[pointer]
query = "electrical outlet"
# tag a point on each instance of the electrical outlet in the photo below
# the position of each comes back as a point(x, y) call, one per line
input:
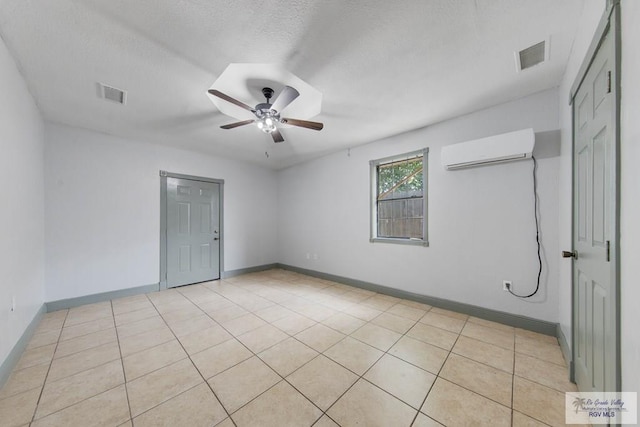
point(506, 285)
point(308, 255)
point(315, 256)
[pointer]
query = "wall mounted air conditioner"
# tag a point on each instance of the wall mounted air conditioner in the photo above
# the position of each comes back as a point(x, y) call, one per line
point(502, 148)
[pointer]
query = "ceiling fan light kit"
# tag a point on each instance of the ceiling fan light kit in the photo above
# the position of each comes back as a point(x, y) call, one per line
point(267, 114)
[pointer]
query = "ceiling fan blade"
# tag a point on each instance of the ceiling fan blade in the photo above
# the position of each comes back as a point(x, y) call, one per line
point(230, 99)
point(277, 136)
point(303, 123)
point(285, 98)
point(236, 124)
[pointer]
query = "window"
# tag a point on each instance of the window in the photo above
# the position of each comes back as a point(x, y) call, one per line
point(399, 199)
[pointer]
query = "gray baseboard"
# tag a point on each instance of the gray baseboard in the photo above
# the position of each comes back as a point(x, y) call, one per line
point(14, 355)
point(566, 352)
point(103, 296)
point(240, 271)
point(523, 322)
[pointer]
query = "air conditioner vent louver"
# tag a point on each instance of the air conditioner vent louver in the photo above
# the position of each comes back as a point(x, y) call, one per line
point(532, 55)
point(112, 94)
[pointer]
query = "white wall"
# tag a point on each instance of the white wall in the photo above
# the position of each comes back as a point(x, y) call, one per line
point(630, 197)
point(591, 13)
point(481, 225)
point(22, 212)
point(103, 217)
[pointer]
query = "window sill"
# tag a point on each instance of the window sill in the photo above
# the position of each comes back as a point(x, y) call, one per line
point(410, 242)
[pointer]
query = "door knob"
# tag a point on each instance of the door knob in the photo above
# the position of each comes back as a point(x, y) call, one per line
point(568, 254)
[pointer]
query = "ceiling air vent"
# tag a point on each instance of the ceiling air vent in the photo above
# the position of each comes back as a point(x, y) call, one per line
point(533, 55)
point(112, 94)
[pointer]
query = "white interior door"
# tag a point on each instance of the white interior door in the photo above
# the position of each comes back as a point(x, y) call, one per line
point(594, 288)
point(193, 231)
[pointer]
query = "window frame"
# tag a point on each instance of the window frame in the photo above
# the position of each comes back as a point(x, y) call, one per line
point(373, 205)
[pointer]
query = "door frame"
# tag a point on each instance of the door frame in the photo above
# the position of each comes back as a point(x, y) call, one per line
point(609, 24)
point(163, 219)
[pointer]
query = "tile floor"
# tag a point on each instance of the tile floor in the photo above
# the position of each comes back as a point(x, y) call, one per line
point(277, 348)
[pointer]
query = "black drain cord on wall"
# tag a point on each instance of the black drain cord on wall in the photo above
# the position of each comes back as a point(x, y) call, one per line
point(535, 213)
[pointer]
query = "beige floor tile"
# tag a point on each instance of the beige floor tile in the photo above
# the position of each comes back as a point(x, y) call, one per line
point(262, 338)
point(216, 359)
point(343, 323)
point(322, 381)
point(490, 324)
point(226, 423)
point(318, 312)
point(401, 379)
point(52, 321)
point(88, 313)
point(280, 406)
point(533, 337)
point(293, 323)
point(421, 354)
point(23, 380)
point(539, 402)
point(243, 324)
point(204, 339)
point(44, 338)
point(545, 373)
point(287, 356)
point(521, 420)
point(85, 342)
point(273, 313)
point(59, 394)
point(195, 324)
point(226, 314)
point(176, 304)
point(216, 305)
point(489, 335)
point(380, 302)
point(325, 421)
point(135, 328)
point(407, 311)
point(482, 379)
point(36, 356)
point(449, 313)
point(423, 421)
point(366, 405)
point(149, 360)
point(197, 407)
point(489, 354)
point(453, 405)
point(239, 385)
point(18, 409)
point(548, 352)
point(447, 323)
point(134, 316)
point(135, 343)
point(362, 312)
point(161, 385)
point(354, 355)
point(83, 360)
point(415, 304)
point(108, 408)
point(377, 336)
point(433, 335)
point(393, 322)
point(319, 337)
point(134, 303)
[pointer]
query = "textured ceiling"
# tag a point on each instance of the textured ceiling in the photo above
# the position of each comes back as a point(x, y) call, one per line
point(382, 67)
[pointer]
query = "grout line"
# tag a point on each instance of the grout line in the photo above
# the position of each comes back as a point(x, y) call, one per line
point(44, 383)
point(124, 373)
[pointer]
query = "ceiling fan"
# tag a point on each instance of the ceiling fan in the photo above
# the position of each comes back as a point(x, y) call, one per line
point(267, 114)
